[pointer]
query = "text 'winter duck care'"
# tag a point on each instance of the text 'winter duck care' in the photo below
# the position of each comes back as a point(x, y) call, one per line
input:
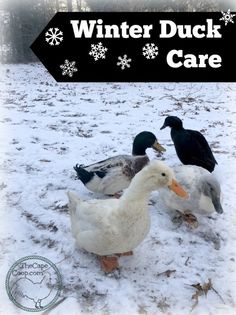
point(139, 47)
point(168, 29)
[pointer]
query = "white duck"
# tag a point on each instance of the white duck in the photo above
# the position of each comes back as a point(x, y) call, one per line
point(204, 193)
point(114, 174)
point(117, 226)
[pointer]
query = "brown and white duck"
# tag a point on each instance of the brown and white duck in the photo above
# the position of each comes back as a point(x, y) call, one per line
point(114, 174)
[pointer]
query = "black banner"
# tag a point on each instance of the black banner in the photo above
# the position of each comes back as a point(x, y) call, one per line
point(139, 47)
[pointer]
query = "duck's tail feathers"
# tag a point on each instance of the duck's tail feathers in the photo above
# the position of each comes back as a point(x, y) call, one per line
point(83, 174)
point(73, 200)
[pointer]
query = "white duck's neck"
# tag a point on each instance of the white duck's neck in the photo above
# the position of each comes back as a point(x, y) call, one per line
point(137, 191)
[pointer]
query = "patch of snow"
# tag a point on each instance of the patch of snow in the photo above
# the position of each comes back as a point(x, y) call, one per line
point(47, 127)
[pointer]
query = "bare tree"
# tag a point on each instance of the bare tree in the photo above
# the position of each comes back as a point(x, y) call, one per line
point(79, 5)
point(160, 5)
point(57, 6)
point(69, 5)
point(26, 20)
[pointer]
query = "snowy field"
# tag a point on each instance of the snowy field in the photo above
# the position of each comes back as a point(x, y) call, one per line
point(46, 128)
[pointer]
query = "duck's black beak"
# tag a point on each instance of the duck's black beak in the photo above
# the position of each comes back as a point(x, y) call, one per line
point(164, 126)
point(158, 147)
point(217, 204)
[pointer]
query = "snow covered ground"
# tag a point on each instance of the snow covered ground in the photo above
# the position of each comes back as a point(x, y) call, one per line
point(46, 128)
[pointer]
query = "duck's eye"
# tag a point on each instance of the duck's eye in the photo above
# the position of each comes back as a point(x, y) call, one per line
point(163, 174)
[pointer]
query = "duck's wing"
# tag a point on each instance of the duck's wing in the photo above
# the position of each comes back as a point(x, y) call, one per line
point(107, 164)
point(113, 175)
point(128, 164)
point(189, 175)
point(93, 223)
point(203, 147)
point(195, 150)
point(92, 175)
point(94, 214)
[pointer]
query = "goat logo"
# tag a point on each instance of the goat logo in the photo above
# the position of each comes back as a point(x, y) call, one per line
point(33, 283)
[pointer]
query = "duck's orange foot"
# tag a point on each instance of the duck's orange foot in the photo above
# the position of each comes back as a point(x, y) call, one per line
point(108, 263)
point(191, 220)
point(186, 217)
point(130, 253)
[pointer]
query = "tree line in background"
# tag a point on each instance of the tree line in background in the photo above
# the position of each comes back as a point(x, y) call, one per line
point(22, 20)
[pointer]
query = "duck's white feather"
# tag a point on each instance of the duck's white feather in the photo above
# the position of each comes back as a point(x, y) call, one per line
point(94, 223)
point(190, 177)
point(114, 181)
point(119, 172)
point(111, 226)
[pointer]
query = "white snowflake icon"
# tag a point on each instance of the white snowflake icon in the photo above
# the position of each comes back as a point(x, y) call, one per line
point(98, 51)
point(54, 36)
point(150, 51)
point(124, 62)
point(227, 17)
point(68, 68)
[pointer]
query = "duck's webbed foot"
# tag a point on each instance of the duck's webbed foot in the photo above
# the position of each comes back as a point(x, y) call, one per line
point(108, 263)
point(178, 218)
point(187, 217)
point(190, 219)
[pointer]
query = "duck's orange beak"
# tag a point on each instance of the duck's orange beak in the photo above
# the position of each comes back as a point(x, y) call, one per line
point(178, 189)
